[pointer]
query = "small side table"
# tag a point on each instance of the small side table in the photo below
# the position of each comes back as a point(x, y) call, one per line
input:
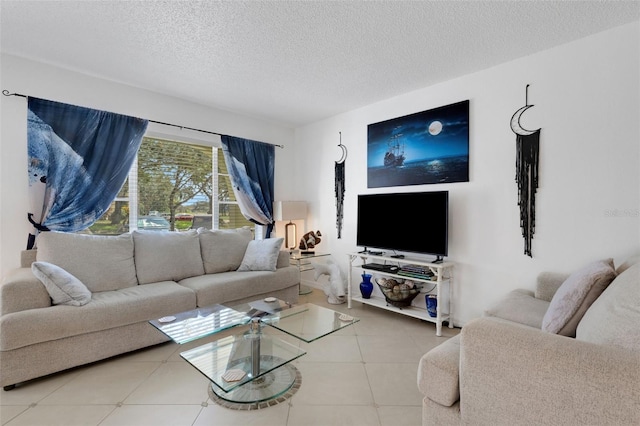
point(303, 262)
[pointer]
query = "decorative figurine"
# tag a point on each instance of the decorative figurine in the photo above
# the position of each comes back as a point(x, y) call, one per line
point(310, 240)
point(334, 289)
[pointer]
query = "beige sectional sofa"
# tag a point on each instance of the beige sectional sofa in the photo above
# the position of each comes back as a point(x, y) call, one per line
point(507, 368)
point(131, 279)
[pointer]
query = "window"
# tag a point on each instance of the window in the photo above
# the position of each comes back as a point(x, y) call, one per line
point(172, 186)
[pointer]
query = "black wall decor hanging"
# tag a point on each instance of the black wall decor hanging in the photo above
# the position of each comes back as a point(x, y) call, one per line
point(339, 169)
point(527, 157)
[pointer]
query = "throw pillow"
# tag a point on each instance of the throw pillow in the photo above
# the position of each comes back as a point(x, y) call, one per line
point(614, 317)
point(64, 288)
point(261, 255)
point(575, 296)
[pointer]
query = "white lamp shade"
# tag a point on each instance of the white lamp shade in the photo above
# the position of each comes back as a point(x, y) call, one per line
point(290, 210)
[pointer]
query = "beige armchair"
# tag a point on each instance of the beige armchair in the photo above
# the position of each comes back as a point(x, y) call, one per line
point(504, 370)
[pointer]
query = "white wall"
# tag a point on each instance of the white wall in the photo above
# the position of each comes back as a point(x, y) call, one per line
point(44, 81)
point(586, 97)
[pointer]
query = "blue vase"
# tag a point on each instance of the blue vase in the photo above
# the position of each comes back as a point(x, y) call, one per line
point(366, 287)
point(432, 304)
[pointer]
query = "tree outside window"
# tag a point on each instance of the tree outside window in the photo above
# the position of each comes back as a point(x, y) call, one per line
point(176, 186)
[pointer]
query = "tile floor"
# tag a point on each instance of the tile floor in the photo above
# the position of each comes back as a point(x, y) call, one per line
point(362, 375)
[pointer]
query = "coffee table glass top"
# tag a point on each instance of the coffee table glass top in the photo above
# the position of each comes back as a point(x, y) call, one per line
point(236, 353)
point(191, 325)
point(309, 322)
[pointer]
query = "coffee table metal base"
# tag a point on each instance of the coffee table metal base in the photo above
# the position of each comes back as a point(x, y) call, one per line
point(269, 386)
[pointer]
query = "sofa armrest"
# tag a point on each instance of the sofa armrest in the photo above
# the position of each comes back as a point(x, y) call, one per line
point(516, 375)
point(21, 290)
point(548, 283)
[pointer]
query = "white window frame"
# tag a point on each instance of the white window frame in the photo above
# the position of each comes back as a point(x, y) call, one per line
point(180, 138)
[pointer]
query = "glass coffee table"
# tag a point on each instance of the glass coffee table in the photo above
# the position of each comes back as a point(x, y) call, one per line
point(252, 366)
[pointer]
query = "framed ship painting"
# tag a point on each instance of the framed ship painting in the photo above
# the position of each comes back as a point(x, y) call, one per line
point(423, 148)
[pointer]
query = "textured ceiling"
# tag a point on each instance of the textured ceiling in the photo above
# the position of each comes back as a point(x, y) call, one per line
point(293, 62)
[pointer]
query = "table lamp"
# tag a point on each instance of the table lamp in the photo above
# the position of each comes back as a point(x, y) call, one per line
point(290, 210)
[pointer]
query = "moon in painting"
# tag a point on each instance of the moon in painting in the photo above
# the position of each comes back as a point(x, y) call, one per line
point(515, 122)
point(435, 128)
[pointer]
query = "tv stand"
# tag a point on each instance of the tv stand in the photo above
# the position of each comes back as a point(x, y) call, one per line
point(442, 278)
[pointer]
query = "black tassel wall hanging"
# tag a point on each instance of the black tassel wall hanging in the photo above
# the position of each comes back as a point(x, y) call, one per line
point(527, 157)
point(340, 187)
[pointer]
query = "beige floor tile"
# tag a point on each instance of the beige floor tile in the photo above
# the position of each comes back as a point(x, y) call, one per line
point(394, 384)
point(385, 324)
point(429, 340)
point(63, 415)
point(34, 391)
point(389, 348)
point(115, 380)
point(219, 416)
point(333, 384)
point(336, 415)
point(153, 415)
point(8, 412)
point(172, 383)
point(400, 416)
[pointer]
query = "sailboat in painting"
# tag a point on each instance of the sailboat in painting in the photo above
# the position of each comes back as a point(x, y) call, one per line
point(394, 157)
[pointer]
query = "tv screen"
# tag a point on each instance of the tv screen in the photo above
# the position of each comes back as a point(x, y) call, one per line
point(407, 222)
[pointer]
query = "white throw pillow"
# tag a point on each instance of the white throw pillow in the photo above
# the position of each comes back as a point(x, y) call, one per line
point(261, 255)
point(64, 288)
point(576, 294)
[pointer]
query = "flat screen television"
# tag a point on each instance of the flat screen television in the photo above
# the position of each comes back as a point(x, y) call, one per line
point(414, 222)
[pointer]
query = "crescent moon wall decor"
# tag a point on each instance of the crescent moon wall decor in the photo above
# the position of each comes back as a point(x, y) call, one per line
point(340, 177)
point(516, 127)
point(527, 157)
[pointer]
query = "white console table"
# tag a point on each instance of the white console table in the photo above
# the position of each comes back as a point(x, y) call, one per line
point(442, 277)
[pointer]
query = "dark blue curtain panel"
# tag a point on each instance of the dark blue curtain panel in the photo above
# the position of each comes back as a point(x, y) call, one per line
point(78, 160)
point(251, 167)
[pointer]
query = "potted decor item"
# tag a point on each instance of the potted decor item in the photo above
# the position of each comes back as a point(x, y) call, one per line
point(432, 305)
point(366, 286)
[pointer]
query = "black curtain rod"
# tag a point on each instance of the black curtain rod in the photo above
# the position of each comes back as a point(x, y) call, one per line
point(7, 93)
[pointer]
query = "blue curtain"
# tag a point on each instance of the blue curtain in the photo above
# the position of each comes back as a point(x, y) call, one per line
point(251, 170)
point(78, 160)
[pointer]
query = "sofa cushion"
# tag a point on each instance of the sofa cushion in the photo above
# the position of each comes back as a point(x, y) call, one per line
point(520, 306)
point(223, 249)
point(261, 255)
point(64, 288)
point(576, 295)
point(106, 310)
point(102, 263)
point(167, 256)
point(438, 373)
point(614, 318)
point(230, 286)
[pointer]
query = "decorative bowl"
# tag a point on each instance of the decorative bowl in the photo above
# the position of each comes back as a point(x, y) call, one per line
point(398, 293)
